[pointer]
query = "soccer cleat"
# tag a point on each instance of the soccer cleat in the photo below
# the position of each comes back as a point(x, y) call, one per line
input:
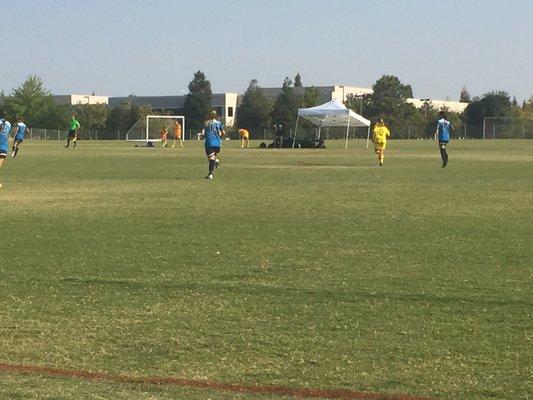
point(209, 176)
point(217, 163)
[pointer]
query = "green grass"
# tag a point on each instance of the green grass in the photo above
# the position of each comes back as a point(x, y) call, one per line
point(298, 268)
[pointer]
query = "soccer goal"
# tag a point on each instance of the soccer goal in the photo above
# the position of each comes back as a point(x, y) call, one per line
point(149, 129)
point(507, 128)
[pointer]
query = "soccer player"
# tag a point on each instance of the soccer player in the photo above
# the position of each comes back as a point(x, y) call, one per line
point(5, 128)
point(163, 133)
point(19, 135)
point(444, 127)
point(213, 132)
point(73, 132)
point(379, 138)
point(245, 136)
point(177, 134)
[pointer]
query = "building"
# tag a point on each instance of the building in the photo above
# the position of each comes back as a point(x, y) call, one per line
point(327, 93)
point(225, 104)
point(74, 99)
point(453, 106)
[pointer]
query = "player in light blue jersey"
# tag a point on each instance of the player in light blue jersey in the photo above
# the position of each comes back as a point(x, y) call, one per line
point(5, 128)
point(20, 133)
point(443, 132)
point(212, 133)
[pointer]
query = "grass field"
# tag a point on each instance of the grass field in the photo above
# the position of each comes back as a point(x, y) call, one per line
point(293, 268)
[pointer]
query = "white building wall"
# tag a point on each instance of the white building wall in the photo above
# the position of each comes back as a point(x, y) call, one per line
point(73, 99)
point(230, 108)
point(341, 92)
point(453, 106)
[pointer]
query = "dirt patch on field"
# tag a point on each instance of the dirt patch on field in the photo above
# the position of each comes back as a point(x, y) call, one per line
point(210, 385)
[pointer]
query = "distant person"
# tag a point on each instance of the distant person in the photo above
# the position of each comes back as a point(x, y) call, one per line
point(379, 138)
point(444, 128)
point(5, 128)
point(245, 138)
point(73, 132)
point(279, 131)
point(212, 134)
point(20, 133)
point(177, 134)
point(163, 133)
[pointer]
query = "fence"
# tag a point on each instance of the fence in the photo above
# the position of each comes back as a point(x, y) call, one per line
point(492, 131)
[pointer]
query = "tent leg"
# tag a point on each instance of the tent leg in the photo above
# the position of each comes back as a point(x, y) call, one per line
point(319, 129)
point(367, 137)
point(347, 132)
point(295, 131)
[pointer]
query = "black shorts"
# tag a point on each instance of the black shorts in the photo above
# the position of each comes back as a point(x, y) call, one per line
point(211, 150)
point(71, 134)
point(19, 140)
point(443, 144)
point(3, 153)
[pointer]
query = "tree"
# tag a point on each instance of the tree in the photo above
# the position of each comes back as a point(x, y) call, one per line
point(492, 104)
point(464, 97)
point(254, 110)
point(285, 107)
point(389, 101)
point(527, 108)
point(34, 103)
point(198, 102)
point(311, 97)
point(92, 116)
point(122, 118)
point(298, 80)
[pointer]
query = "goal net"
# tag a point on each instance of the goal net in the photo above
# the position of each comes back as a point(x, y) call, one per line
point(507, 128)
point(149, 129)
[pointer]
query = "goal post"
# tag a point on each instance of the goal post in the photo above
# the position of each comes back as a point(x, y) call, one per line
point(148, 129)
point(507, 128)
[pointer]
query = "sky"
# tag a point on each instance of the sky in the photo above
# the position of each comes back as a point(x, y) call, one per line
point(141, 47)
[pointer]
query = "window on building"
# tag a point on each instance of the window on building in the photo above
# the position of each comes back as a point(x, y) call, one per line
point(230, 111)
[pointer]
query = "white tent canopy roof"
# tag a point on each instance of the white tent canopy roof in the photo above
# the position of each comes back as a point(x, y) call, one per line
point(332, 113)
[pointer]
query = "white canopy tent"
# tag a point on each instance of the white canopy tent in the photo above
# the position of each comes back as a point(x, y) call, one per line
point(332, 113)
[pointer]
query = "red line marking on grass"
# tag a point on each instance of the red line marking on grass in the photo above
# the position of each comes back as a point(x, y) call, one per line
point(201, 384)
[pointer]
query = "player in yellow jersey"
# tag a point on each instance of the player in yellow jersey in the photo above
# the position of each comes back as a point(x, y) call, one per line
point(245, 136)
point(379, 137)
point(163, 134)
point(177, 134)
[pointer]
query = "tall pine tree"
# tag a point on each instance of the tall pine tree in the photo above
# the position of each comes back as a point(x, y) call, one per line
point(286, 106)
point(198, 101)
point(464, 97)
point(298, 80)
point(254, 110)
